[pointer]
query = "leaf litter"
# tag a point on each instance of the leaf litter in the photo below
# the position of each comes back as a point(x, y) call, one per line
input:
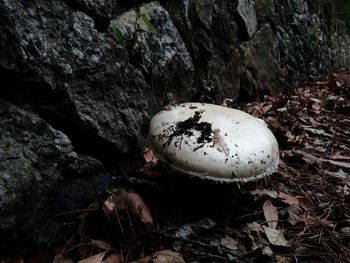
point(299, 214)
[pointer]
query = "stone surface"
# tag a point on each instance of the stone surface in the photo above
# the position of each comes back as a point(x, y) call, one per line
point(34, 160)
point(163, 52)
point(101, 95)
point(210, 34)
point(101, 11)
point(204, 12)
point(246, 12)
point(262, 64)
point(311, 43)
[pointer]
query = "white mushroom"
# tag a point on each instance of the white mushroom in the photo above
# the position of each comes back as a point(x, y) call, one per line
point(213, 142)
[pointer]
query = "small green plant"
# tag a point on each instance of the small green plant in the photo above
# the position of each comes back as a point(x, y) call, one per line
point(111, 190)
point(130, 44)
point(147, 22)
point(120, 38)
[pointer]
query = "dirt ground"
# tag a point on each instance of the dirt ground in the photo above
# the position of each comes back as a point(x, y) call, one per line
point(299, 214)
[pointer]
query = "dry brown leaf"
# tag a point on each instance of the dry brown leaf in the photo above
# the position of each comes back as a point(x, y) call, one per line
point(309, 158)
point(267, 251)
point(282, 259)
point(294, 215)
point(254, 226)
point(109, 206)
point(264, 192)
point(290, 200)
point(275, 236)
point(114, 258)
point(316, 100)
point(101, 244)
point(337, 156)
point(260, 109)
point(254, 232)
point(339, 174)
point(131, 201)
point(94, 259)
point(163, 256)
point(337, 163)
point(346, 190)
point(271, 214)
point(149, 156)
point(229, 243)
point(137, 207)
point(266, 108)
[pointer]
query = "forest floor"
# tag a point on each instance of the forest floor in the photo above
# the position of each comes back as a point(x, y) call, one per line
point(299, 214)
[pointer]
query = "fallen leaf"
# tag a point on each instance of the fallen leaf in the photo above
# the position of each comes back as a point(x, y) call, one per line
point(254, 232)
point(346, 190)
point(288, 199)
point(271, 214)
point(109, 206)
point(340, 174)
point(337, 156)
point(256, 227)
point(337, 163)
point(309, 158)
point(275, 236)
point(283, 109)
point(137, 207)
point(281, 259)
point(163, 256)
point(149, 156)
point(316, 100)
point(229, 243)
point(317, 131)
point(294, 215)
point(94, 259)
point(264, 192)
point(101, 244)
point(267, 251)
point(131, 201)
point(114, 258)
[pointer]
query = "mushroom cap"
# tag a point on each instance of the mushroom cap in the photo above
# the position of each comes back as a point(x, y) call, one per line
point(213, 142)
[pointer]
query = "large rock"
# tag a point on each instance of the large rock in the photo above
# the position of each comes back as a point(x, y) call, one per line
point(312, 41)
point(303, 40)
point(90, 90)
point(157, 47)
point(247, 18)
point(37, 168)
point(262, 65)
point(211, 36)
